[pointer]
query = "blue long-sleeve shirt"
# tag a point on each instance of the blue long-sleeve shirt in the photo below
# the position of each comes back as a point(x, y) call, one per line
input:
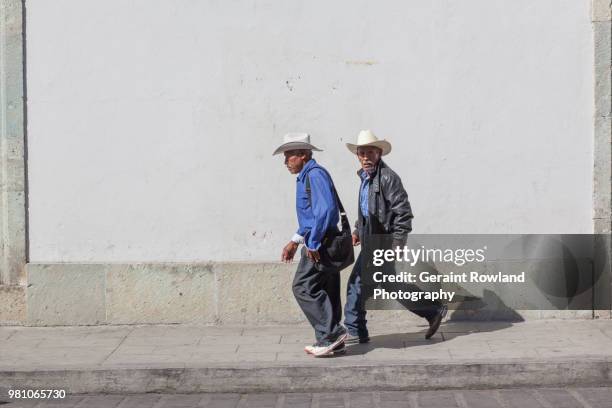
point(323, 215)
point(364, 192)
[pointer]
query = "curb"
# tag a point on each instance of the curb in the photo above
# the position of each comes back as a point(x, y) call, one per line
point(407, 376)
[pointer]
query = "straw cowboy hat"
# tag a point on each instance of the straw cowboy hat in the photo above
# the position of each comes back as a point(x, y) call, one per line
point(368, 138)
point(296, 141)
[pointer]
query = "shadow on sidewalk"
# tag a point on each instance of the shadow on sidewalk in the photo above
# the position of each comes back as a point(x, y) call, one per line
point(471, 315)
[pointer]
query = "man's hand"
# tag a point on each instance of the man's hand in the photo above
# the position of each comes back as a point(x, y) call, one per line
point(356, 241)
point(289, 252)
point(313, 255)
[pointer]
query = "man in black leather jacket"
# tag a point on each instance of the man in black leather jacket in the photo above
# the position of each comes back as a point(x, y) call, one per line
point(384, 209)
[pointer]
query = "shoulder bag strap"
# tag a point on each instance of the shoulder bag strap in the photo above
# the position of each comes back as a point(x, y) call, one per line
point(344, 219)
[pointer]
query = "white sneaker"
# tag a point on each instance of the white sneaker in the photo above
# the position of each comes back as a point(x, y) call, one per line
point(325, 351)
point(339, 349)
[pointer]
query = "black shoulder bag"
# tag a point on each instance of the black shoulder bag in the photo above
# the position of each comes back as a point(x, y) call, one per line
point(337, 247)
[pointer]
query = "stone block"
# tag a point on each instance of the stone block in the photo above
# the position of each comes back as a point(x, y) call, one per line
point(566, 314)
point(602, 169)
point(602, 226)
point(602, 51)
point(602, 275)
point(12, 305)
point(160, 293)
point(251, 293)
point(65, 294)
point(229, 293)
point(13, 238)
point(12, 202)
point(601, 10)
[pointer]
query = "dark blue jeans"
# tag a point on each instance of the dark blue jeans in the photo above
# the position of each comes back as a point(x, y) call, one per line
point(354, 310)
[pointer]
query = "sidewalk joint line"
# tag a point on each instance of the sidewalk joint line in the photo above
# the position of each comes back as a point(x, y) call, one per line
point(122, 402)
point(376, 399)
point(541, 400)
point(579, 398)
point(242, 403)
point(414, 400)
point(161, 402)
point(118, 345)
point(280, 401)
point(460, 400)
point(11, 335)
point(500, 400)
point(82, 403)
point(315, 402)
point(346, 399)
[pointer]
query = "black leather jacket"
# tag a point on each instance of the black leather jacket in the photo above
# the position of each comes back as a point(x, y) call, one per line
point(388, 205)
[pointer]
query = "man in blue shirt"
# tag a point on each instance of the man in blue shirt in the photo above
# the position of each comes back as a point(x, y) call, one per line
point(315, 287)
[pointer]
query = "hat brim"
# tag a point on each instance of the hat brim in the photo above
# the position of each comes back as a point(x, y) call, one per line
point(381, 144)
point(295, 146)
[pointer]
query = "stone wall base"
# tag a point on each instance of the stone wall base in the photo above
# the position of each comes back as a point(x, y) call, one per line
point(12, 305)
point(202, 293)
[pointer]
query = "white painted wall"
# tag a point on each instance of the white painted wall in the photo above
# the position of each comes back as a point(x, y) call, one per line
point(151, 123)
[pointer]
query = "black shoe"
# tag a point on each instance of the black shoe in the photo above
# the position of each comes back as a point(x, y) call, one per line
point(357, 339)
point(339, 349)
point(434, 323)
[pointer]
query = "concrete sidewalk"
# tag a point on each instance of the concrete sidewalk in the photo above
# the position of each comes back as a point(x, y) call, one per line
point(183, 358)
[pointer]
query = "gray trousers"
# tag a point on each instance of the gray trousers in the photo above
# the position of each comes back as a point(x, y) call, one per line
point(318, 295)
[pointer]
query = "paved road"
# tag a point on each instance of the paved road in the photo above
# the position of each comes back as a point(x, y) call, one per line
point(508, 398)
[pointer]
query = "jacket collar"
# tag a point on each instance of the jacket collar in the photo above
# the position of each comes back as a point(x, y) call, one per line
point(376, 179)
point(381, 165)
point(309, 165)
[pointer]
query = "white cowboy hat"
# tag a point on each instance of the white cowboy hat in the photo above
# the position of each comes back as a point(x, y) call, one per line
point(368, 138)
point(296, 141)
